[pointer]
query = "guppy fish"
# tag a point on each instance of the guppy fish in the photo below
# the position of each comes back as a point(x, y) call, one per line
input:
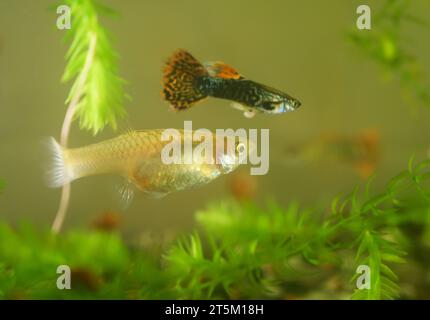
point(137, 157)
point(187, 81)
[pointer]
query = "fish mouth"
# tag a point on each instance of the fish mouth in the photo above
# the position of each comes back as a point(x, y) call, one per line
point(228, 163)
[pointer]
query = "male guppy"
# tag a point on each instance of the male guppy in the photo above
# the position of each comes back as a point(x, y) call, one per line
point(137, 156)
point(187, 81)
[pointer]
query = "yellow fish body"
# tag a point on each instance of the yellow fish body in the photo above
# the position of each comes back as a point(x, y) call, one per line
point(137, 157)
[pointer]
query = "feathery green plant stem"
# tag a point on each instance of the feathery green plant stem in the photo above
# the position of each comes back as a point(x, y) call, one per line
point(96, 96)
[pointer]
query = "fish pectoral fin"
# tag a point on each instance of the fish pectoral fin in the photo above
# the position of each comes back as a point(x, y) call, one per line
point(126, 192)
point(239, 106)
point(247, 112)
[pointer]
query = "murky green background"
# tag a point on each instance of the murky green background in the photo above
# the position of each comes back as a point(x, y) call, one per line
point(298, 46)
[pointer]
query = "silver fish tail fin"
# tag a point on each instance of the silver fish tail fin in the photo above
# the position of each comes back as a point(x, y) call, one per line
point(59, 172)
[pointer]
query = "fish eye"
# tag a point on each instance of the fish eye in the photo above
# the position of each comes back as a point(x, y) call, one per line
point(240, 148)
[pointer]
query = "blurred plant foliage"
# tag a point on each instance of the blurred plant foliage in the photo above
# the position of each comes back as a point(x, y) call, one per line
point(2, 185)
point(387, 44)
point(240, 250)
point(92, 63)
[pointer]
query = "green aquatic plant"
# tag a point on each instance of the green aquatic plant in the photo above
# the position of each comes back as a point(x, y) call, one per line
point(240, 250)
point(92, 63)
point(92, 257)
point(97, 94)
point(387, 44)
point(254, 252)
point(247, 253)
point(375, 252)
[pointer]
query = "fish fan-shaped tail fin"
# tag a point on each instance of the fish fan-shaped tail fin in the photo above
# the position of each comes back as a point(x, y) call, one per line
point(180, 77)
point(58, 173)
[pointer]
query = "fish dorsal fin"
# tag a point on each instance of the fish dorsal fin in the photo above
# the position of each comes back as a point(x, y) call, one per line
point(126, 128)
point(220, 69)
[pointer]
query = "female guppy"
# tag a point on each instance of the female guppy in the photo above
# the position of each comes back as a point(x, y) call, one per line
point(137, 156)
point(187, 81)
